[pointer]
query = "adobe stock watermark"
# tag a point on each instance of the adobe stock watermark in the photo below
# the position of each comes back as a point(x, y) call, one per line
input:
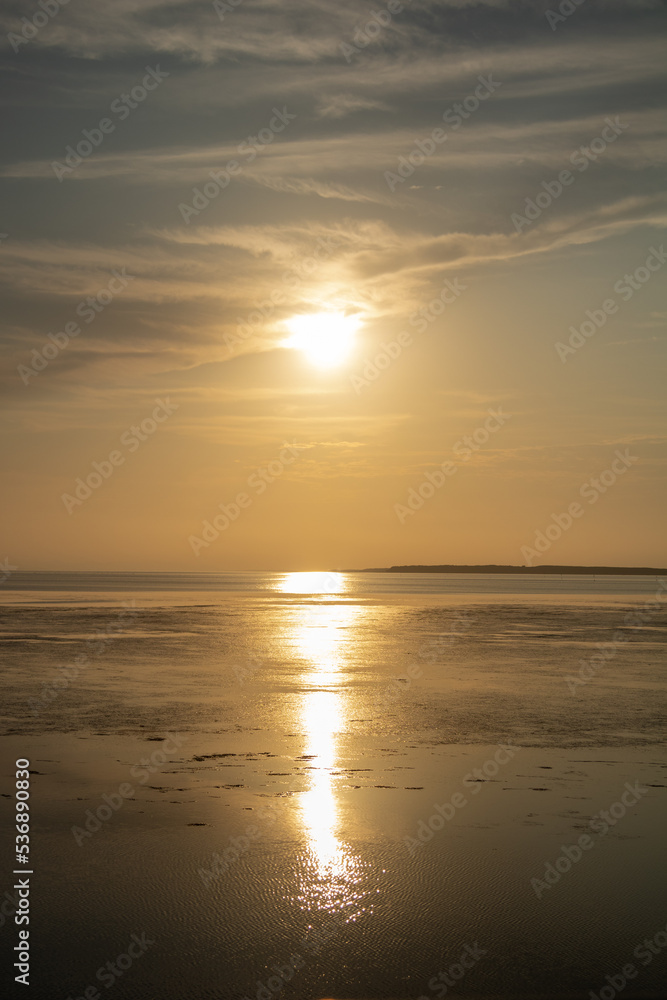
point(316, 938)
point(259, 481)
point(292, 279)
point(88, 310)
point(454, 116)
point(220, 864)
point(463, 449)
point(581, 159)
point(626, 288)
point(96, 647)
point(8, 907)
point(312, 942)
point(645, 952)
point(444, 981)
point(274, 984)
point(249, 670)
point(445, 811)
point(131, 439)
point(33, 25)
point(591, 490)
point(223, 7)
point(566, 8)
point(6, 570)
point(112, 802)
point(364, 36)
point(122, 107)
point(111, 971)
point(637, 618)
point(601, 823)
point(373, 367)
point(431, 652)
point(220, 179)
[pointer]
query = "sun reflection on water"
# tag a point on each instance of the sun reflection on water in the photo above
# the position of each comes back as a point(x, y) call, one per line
point(320, 809)
point(322, 635)
point(312, 583)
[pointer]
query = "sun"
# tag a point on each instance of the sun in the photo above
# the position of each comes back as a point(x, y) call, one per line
point(326, 338)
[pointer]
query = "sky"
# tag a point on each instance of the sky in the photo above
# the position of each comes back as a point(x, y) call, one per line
point(217, 217)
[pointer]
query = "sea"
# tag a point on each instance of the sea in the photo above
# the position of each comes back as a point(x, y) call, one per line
point(218, 806)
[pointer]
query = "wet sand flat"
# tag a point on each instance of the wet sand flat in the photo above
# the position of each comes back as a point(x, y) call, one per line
point(344, 796)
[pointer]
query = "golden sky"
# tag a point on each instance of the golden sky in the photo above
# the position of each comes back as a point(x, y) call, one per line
point(267, 198)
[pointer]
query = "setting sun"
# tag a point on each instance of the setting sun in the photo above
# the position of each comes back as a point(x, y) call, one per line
point(325, 338)
point(332, 391)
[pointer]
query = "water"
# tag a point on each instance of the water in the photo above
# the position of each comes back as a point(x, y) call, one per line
point(69, 585)
point(312, 725)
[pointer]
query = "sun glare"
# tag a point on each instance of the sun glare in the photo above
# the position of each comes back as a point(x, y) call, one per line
point(325, 338)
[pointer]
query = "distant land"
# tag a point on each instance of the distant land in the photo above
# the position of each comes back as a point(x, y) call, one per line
point(571, 570)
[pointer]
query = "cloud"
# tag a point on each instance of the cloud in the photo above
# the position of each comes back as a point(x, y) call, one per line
point(309, 186)
point(341, 105)
point(302, 31)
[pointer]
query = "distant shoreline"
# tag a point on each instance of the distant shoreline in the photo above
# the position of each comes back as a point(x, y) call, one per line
point(534, 570)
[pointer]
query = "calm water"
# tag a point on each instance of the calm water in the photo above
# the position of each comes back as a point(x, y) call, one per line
point(320, 719)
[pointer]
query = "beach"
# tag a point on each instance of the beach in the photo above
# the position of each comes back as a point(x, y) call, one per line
point(339, 785)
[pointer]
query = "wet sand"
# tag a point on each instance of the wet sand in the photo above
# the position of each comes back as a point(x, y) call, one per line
point(325, 796)
point(225, 855)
